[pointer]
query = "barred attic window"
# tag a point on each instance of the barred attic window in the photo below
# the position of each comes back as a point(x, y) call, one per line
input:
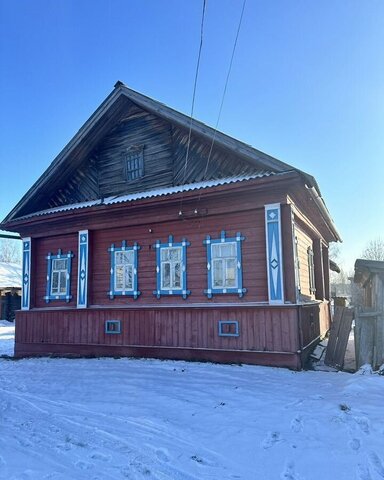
point(133, 161)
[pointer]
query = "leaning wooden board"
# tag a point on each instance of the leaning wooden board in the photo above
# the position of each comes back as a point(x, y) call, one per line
point(338, 337)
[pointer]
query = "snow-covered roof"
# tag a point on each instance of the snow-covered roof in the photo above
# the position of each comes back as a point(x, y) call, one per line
point(10, 275)
point(155, 193)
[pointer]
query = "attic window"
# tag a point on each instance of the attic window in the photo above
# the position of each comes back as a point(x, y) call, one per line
point(133, 162)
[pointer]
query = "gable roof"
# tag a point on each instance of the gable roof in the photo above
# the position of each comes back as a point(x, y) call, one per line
point(105, 117)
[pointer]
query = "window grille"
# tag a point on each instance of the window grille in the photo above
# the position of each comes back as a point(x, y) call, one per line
point(133, 160)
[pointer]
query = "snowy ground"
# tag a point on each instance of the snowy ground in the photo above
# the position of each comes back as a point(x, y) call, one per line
point(146, 419)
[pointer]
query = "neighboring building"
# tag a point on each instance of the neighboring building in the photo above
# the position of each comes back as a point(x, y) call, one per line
point(369, 329)
point(154, 236)
point(10, 290)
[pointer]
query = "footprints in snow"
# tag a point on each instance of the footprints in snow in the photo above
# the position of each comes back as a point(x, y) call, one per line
point(271, 439)
point(297, 424)
point(374, 464)
point(289, 473)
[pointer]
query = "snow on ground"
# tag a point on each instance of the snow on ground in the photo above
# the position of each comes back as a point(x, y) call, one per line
point(7, 337)
point(110, 419)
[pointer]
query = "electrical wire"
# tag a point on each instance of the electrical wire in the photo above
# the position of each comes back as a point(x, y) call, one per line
point(193, 100)
point(223, 96)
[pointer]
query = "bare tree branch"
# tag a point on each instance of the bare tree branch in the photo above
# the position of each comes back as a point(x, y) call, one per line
point(374, 250)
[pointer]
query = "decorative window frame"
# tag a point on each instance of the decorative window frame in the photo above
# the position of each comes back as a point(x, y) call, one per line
point(229, 322)
point(134, 291)
point(133, 150)
point(183, 291)
point(239, 289)
point(311, 271)
point(50, 258)
point(116, 323)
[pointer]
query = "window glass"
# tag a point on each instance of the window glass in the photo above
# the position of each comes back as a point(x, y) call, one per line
point(224, 250)
point(171, 277)
point(230, 277)
point(124, 270)
point(217, 273)
point(59, 276)
point(224, 263)
point(166, 275)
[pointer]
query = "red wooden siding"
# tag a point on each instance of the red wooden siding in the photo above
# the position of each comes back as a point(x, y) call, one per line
point(314, 322)
point(262, 329)
point(250, 224)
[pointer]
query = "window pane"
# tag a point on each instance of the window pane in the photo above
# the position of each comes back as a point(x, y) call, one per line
point(166, 275)
point(217, 273)
point(119, 277)
point(230, 278)
point(59, 264)
point(228, 250)
point(177, 276)
point(55, 283)
point(63, 281)
point(175, 254)
point(124, 257)
point(215, 251)
point(129, 277)
point(164, 254)
point(224, 250)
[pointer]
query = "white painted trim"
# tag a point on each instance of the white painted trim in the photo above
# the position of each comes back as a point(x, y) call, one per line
point(85, 305)
point(27, 307)
point(267, 207)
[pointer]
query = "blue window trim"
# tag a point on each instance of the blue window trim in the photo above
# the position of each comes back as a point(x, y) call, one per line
point(67, 295)
point(229, 322)
point(112, 322)
point(82, 269)
point(134, 292)
point(274, 253)
point(239, 290)
point(26, 284)
point(183, 291)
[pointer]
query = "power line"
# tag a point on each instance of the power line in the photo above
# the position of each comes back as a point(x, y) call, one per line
point(224, 92)
point(193, 100)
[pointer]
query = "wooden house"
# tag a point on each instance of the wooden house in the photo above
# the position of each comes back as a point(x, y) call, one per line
point(10, 290)
point(150, 235)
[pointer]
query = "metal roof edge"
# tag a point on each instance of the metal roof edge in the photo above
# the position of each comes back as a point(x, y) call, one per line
point(152, 193)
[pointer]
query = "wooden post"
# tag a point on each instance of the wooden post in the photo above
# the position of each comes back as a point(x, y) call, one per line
point(288, 254)
point(326, 272)
point(319, 268)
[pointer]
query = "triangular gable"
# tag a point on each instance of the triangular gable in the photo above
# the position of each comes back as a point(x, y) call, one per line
point(230, 156)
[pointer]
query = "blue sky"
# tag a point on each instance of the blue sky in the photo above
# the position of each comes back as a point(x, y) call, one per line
point(307, 85)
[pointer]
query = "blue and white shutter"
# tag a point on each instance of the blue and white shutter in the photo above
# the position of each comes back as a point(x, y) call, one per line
point(26, 280)
point(274, 253)
point(82, 277)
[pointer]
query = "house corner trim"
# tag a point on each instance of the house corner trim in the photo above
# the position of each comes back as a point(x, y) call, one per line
point(274, 253)
point(82, 277)
point(26, 279)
